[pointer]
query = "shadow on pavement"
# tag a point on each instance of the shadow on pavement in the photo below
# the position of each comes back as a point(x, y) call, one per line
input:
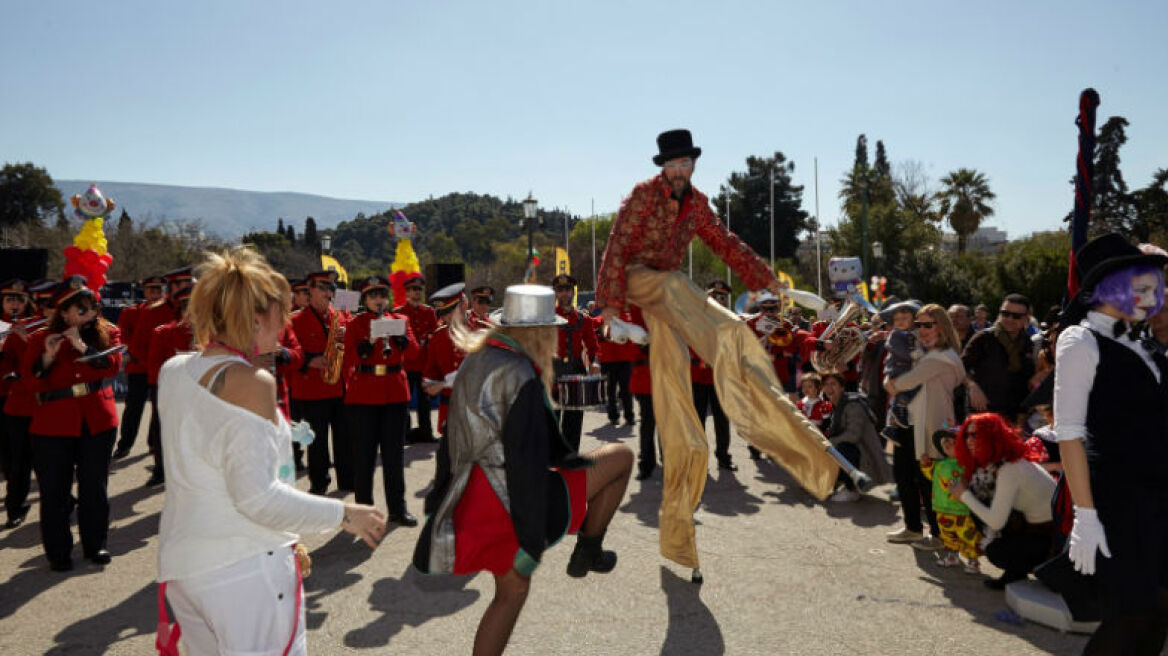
point(135, 535)
point(412, 600)
point(869, 511)
point(644, 500)
point(790, 492)
point(967, 593)
point(25, 585)
point(419, 452)
point(693, 629)
point(136, 615)
point(727, 496)
point(331, 565)
point(611, 433)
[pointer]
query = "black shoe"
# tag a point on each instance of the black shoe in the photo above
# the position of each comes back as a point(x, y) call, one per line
point(65, 565)
point(318, 490)
point(615, 421)
point(629, 421)
point(300, 467)
point(589, 557)
point(755, 454)
point(644, 473)
point(121, 452)
point(156, 479)
point(727, 464)
point(18, 519)
point(404, 518)
point(99, 557)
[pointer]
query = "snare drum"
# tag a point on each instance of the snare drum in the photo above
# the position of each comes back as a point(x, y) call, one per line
point(578, 392)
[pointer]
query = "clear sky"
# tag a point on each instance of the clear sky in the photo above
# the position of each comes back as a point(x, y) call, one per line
point(397, 100)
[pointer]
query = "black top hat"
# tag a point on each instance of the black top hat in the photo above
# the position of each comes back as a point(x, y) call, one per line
point(563, 280)
point(1108, 253)
point(674, 144)
point(718, 286)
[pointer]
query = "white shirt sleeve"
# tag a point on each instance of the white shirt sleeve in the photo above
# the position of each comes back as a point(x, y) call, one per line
point(1005, 490)
point(249, 459)
point(1077, 357)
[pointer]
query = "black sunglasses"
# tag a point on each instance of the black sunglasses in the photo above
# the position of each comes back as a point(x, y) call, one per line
point(326, 286)
point(1012, 315)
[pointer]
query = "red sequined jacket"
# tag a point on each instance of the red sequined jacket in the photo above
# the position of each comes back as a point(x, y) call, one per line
point(654, 229)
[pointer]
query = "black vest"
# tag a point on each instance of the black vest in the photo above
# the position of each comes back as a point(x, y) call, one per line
point(1127, 418)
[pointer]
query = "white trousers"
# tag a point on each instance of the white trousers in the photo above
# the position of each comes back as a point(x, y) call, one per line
point(244, 609)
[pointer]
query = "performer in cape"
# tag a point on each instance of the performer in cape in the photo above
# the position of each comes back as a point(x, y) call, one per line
point(1111, 418)
point(507, 485)
point(656, 223)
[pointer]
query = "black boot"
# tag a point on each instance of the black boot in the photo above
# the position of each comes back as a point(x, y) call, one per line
point(589, 557)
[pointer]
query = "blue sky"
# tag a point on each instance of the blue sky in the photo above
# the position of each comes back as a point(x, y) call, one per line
point(402, 100)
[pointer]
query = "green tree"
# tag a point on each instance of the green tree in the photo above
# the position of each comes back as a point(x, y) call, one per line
point(1111, 207)
point(750, 205)
point(1151, 210)
point(27, 193)
point(311, 239)
point(965, 202)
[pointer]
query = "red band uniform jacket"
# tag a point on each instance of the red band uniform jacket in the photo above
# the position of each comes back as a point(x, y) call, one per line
point(307, 384)
point(389, 385)
point(423, 321)
point(21, 400)
point(168, 341)
point(289, 360)
point(577, 335)
point(442, 358)
point(149, 318)
point(127, 321)
point(63, 417)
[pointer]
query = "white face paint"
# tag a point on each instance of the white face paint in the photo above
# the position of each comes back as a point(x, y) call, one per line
point(1144, 295)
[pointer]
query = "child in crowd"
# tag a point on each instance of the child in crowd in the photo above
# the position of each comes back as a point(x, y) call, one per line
point(959, 534)
point(813, 405)
point(903, 351)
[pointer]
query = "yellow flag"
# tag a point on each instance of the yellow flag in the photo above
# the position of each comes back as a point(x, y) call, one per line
point(787, 282)
point(330, 263)
point(564, 265)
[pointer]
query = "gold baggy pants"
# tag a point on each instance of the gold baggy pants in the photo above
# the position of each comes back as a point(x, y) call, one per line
point(678, 314)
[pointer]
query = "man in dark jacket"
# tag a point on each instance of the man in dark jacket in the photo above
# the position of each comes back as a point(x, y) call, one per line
point(999, 361)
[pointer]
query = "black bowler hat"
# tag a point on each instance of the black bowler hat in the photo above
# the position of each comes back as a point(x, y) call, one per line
point(1108, 253)
point(674, 144)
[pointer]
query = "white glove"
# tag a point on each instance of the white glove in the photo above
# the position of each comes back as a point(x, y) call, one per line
point(1087, 536)
point(622, 331)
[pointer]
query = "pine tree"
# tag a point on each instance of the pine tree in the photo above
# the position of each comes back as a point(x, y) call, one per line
point(1112, 209)
point(290, 234)
point(280, 226)
point(311, 239)
point(125, 222)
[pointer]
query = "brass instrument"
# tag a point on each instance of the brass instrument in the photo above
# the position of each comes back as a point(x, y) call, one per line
point(848, 341)
point(31, 325)
point(334, 352)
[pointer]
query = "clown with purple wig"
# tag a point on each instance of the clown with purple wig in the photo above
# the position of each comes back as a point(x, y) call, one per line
point(1111, 419)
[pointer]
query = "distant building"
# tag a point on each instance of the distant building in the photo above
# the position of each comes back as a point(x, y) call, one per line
point(986, 240)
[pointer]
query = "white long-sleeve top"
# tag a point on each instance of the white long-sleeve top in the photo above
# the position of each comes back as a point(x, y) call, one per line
point(1021, 485)
point(225, 500)
point(1077, 355)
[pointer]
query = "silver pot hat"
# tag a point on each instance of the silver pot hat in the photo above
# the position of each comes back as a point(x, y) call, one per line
point(528, 305)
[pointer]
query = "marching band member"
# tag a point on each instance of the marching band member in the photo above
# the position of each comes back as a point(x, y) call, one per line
point(137, 385)
point(443, 357)
point(377, 396)
point(481, 298)
point(321, 403)
point(74, 425)
point(423, 321)
point(16, 400)
point(160, 313)
point(299, 294)
point(705, 396)
point(170, 339)
point(577, 334)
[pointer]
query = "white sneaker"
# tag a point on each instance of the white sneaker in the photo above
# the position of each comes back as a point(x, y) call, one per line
point(927, 543)
point(972, 566)
point(950, 559)
point(844, 495)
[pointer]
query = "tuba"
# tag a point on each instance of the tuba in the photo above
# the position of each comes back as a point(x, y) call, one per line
point(849, 341)
point(334, 352)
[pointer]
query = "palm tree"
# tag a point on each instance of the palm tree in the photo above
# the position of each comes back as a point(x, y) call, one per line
point(965, 197)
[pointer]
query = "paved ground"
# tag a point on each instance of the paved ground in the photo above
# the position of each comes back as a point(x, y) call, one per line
point(784, 575)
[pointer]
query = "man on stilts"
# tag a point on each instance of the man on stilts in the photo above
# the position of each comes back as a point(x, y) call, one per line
point(649, 238)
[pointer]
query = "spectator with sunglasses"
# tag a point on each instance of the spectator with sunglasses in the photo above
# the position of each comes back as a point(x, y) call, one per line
point(936, 373)
point(75, 422)
point(1000, 361)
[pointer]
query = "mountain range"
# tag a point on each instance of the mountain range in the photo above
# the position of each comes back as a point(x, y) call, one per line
point(226, 213)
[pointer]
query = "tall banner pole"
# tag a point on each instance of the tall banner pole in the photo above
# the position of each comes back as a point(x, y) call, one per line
point(593, 244)
point(1084, 178)
point(818, 240)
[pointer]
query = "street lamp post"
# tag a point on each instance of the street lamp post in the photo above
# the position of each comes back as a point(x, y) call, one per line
point(326, 243)
point(530, 212)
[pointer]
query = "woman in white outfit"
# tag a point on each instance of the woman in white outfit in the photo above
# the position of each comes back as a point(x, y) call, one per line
point(232, 511)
